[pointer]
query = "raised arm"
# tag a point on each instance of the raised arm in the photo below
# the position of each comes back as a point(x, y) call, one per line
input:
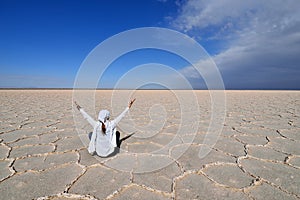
point(86, 116)
point(118, 119)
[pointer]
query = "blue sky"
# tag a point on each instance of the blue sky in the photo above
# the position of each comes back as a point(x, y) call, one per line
point(255, 44)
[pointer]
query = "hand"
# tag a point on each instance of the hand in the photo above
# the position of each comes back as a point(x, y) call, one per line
point(130, 103)
point(77, 106)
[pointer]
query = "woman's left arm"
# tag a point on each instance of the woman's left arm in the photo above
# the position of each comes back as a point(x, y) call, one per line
point(86, 116)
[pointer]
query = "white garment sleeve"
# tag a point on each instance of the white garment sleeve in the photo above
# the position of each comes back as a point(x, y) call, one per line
point(117, 119)
point(86, 116)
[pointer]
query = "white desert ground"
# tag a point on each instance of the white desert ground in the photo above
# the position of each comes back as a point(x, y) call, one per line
point(43, 141)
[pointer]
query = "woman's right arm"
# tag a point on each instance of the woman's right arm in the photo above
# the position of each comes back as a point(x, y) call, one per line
point(117, 119)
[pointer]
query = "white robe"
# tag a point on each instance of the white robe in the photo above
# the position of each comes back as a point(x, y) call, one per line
point(103, 144)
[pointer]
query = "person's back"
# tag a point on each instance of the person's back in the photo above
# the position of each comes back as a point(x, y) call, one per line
point(105, 142)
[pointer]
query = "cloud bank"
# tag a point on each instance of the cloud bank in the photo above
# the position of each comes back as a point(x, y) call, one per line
point(260, 40)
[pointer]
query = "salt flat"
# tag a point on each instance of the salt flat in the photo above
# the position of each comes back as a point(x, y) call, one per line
point(43, 147)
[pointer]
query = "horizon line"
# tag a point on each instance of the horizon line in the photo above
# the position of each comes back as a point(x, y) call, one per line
point(68, 88)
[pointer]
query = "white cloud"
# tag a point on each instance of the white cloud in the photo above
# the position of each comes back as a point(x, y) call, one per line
point(201, 13)
point(261, 38)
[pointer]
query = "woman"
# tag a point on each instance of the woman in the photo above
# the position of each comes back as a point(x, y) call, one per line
point(104, 138)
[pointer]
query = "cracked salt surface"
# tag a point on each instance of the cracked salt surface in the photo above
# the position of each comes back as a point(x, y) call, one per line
point(256, 157)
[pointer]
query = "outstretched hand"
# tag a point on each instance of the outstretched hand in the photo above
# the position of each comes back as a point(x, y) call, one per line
point(77, 106)
point(130, 103)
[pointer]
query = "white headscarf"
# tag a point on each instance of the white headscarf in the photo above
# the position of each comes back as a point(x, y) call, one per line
point(103, 115)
